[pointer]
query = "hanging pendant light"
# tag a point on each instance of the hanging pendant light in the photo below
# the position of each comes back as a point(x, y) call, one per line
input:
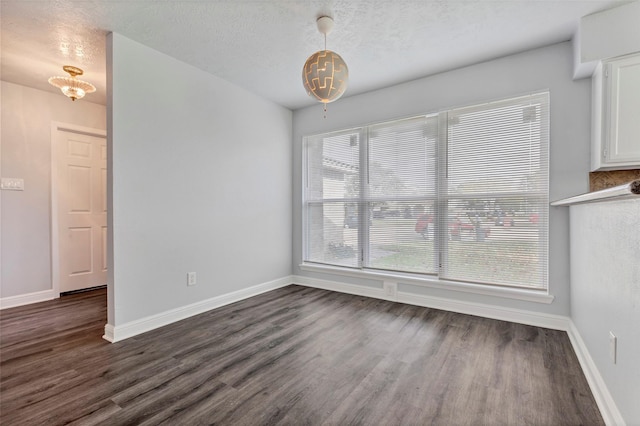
point(325, 75)
point(71, 86)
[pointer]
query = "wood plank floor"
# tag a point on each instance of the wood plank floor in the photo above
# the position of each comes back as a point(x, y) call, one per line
point(296, 356)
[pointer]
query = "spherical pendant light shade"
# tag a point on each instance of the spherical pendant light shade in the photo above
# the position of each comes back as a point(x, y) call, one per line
point(325, 76)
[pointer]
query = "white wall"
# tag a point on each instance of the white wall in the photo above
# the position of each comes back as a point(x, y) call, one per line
point(605, 294)
point(546, 68)
point(27, 115)
point(200, 181)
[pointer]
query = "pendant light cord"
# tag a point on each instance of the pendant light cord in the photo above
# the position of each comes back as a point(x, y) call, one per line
point(324, 103)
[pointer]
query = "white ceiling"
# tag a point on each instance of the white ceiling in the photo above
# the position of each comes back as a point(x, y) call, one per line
point(261, 45)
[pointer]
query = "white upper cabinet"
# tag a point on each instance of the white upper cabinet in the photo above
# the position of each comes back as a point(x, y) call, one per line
point(616, 114)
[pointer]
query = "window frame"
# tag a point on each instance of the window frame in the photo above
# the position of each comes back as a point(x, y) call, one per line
point(436, 280)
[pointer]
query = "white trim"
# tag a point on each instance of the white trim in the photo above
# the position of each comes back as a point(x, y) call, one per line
point(556, 322)
point(27, 299)
point(604, 400)
point(116, 333)
point(538, 296)
point(74, 128)
point(520, 316)
point(109, 334)
point(358, 290)
point(56, 128)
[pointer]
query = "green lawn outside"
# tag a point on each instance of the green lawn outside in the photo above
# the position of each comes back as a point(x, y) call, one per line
point(500, 260)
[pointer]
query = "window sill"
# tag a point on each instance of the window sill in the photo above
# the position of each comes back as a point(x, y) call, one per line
point(537, 296)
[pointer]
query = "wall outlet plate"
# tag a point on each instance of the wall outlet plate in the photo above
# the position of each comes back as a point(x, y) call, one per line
point(191, 278)
point(390, 289)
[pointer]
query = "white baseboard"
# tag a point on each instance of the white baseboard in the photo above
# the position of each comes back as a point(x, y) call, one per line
point(603, 398)
point(27, 299)
point(108, 333)
point(556, 322)
point(124, 331)
point(358, 290)
point(538, 319)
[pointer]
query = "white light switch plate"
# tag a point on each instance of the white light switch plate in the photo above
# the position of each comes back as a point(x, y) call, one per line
point(12, 184)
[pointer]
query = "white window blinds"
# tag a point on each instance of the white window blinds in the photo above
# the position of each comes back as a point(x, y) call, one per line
point(401, 164)
point(332, 198)
point(460, 195)
point(494, 193)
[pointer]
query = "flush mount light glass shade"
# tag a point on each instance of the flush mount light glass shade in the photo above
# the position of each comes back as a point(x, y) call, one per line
point(325, 76)
point(71, 86)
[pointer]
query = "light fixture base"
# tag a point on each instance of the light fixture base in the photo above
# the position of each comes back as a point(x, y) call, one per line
point(325, 24)
point(72, 71)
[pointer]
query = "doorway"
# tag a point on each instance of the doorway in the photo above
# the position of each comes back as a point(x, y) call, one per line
point(78, 208)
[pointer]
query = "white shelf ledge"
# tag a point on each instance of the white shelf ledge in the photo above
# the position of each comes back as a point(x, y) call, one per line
point(620, 192)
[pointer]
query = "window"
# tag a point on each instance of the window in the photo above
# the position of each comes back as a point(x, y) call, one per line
point(460, 195)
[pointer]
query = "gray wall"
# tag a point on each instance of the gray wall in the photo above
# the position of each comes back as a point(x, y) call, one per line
point(545, 68)
point(27, 115)
point(605, 294)
point(200, 181)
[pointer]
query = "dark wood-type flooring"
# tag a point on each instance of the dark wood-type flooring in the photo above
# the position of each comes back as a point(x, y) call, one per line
point(296, 356)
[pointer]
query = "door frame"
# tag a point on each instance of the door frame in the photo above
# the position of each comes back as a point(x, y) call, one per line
point(56, 128)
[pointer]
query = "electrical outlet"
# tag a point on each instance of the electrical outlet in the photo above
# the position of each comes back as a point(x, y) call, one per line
point(390, 289)
point(191, 278)
point(613, 343)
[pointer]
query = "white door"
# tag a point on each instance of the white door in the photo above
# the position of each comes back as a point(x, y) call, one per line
point(81, 195)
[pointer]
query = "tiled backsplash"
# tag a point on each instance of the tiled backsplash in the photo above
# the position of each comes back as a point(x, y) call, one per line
point(604, 180)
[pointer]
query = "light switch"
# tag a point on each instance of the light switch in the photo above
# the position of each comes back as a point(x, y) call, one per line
point(12, 184)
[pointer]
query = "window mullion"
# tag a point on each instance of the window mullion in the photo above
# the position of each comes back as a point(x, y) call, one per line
point(442, 231)
point(363, 205)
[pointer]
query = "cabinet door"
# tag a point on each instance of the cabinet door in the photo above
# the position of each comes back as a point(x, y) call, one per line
point(623, 120)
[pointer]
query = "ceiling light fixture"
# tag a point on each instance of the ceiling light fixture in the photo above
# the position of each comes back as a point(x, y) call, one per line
point(325, 74)
point(71, 86)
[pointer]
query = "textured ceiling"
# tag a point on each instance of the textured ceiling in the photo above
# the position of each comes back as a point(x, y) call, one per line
point(261, 45)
